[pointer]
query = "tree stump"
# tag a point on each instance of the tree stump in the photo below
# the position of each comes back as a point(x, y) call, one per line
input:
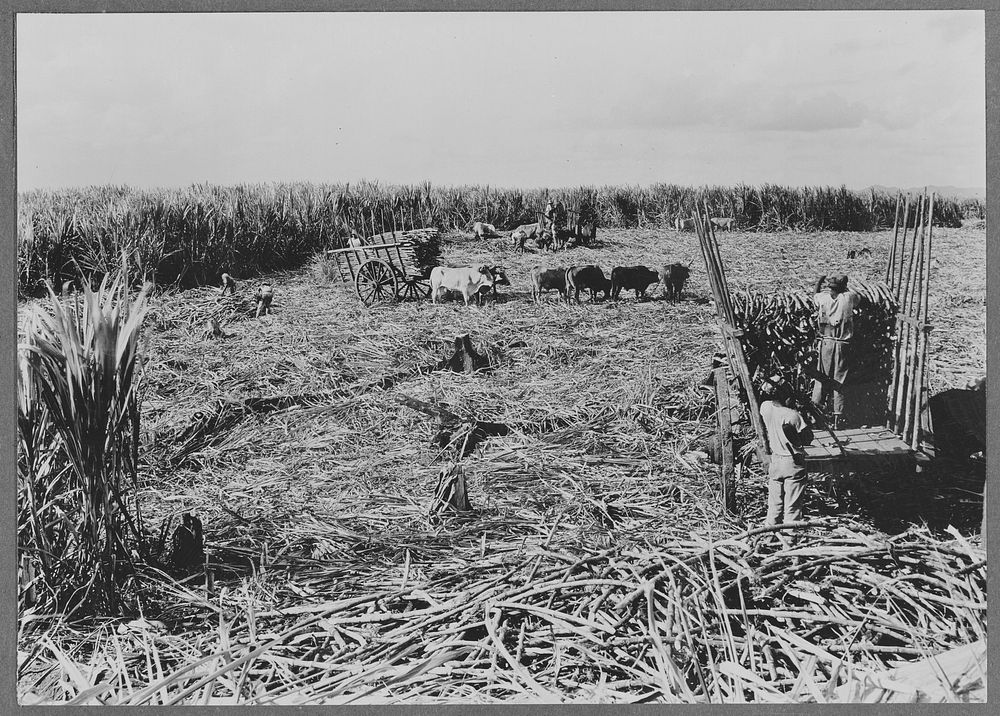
point(465, 358)
point(187, 545)
point(450, 494)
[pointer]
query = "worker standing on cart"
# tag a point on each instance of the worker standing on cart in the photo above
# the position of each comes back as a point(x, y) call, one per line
point(549, 214)
point(835, 305)
point(558, 220)
point(787, 435)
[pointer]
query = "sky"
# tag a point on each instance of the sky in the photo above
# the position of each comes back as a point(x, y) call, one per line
point(505, 99)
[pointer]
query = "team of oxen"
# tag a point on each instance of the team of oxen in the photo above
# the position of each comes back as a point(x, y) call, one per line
point(481, 282)
point(569, 282)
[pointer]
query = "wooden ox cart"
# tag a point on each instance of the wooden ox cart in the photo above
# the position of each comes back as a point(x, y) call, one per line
point(898, 429)
point(389, 267)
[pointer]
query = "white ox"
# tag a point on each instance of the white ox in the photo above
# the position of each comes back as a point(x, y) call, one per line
point(723, 223)
point(464, 280)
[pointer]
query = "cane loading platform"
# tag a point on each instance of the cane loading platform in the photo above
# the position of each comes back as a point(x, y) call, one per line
point(856, 445)
point(901, 441)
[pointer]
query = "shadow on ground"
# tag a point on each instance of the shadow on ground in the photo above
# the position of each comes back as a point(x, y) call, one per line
point(944, 492)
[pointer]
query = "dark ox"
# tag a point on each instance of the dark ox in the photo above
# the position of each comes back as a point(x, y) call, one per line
point(499, 279)
point(682, 224)
point(632, 278)
point(589, 278)
point(546, 280)
point(673, 278)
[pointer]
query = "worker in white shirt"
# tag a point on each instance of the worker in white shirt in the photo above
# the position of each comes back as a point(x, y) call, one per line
point(787, 435)
point(835, 304)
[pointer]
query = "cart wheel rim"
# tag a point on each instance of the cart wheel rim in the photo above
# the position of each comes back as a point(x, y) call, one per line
point(376, 282)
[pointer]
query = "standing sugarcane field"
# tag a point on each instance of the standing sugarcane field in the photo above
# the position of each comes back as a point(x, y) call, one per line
point(499, 441)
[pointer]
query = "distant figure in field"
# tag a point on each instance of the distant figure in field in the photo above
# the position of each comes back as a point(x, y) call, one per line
point(558, 225)
point(263, 297)
point(549, 213)
point(228, 285)
point(835, 305)
point(482, 230)
point(355, 241)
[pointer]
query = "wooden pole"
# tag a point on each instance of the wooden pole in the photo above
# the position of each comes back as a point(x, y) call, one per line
point(897, 369)
point(914, 306)
point(722, 272)
point(899, 366)
point(708, 267)
point(723, 305)
point(898, 280)
point(723, 403)
point(913, 311)
point(905, 326)
point(923, 308)
point(726, 316)
point(711, 269)
point(890, 264)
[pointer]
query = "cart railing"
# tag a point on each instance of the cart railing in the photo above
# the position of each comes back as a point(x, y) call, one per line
point(349, 260)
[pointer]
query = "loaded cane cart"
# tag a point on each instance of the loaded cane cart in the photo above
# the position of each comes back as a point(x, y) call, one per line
point(391, 266)
point(774, 334)
point(581, 223)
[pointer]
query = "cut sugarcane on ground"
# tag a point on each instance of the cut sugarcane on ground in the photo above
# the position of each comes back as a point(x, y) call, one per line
point(595, 565)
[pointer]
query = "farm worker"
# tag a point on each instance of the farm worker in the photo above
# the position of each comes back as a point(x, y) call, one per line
point(549, 215)
point(787, 434)
point(558, 223)
point(835, 304)
point(549, 222)
point(263, 297)
point(559, 216)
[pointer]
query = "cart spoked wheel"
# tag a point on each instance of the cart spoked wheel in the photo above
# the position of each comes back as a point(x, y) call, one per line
point(416, 289)
point(376, 282)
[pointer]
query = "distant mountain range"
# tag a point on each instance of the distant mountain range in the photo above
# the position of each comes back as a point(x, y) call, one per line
point(950, 192)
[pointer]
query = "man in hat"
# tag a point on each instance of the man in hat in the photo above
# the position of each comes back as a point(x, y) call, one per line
point(787, 435)
point(549, 214)
point(835, 304)
point(559, 217)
